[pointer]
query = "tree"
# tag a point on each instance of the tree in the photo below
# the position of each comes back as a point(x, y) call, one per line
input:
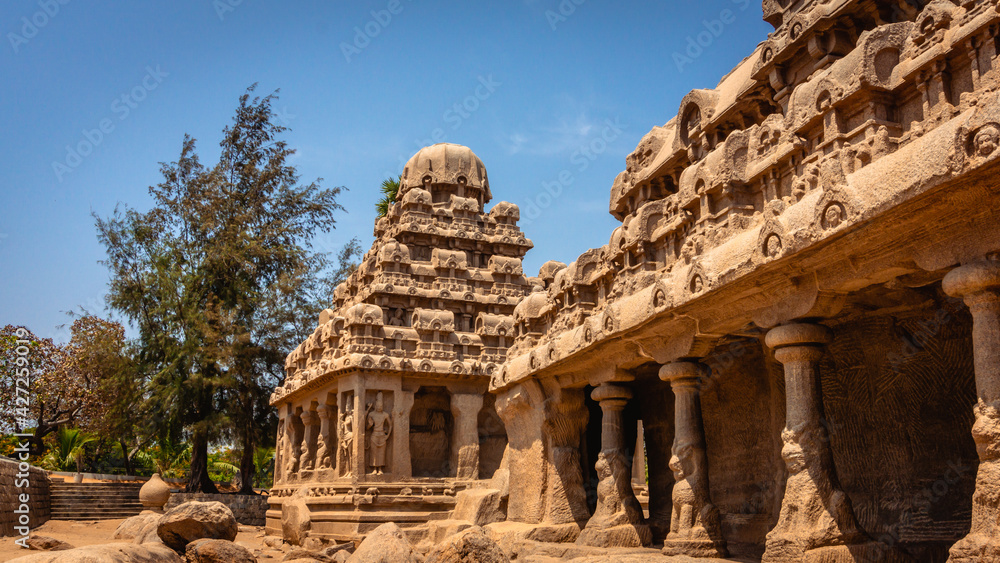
point(389, 189)
point(114, 408)
point(209, 276)
point(53, 395)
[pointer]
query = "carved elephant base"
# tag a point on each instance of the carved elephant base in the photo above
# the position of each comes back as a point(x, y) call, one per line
point(624, 535)
point(695, 548)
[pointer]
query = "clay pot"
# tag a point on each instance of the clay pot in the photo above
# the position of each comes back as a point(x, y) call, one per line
point(154, 494)
point(78, 478)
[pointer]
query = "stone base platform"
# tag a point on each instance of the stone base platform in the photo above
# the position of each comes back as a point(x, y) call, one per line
point(349, 511)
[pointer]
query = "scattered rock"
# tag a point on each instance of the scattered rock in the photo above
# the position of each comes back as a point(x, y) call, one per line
point(468, 546)
point(109, 553)
point(385, 544)
point(132, 527)
point(295, 517)
point(217, 551)
point(194, 521)
point(273, 542)
point(299, 554)
point(346, 547)
point(45, 543)
point(313, 544)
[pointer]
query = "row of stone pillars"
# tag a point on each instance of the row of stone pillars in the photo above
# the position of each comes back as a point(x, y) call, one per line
point(307, 443)
point(307, 447)
point(815, 512)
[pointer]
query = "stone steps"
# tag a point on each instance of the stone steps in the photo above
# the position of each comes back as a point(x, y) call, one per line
point(95, 501)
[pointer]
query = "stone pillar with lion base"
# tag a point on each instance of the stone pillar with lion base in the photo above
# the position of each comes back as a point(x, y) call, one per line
point(465, 409)
point(979, 285)
point(816, 521)
point(618, 520)
point(695, 529)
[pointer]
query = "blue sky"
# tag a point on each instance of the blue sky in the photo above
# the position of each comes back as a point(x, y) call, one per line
point(96, 94)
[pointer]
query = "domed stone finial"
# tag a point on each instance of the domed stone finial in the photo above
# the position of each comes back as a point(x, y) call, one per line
point(154, 494)
point(447, 164)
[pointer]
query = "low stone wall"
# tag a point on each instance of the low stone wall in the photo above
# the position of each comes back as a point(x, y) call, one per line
point(37, 489)
point(248, 509)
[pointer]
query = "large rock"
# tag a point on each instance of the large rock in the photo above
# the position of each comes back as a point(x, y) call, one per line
point(468, 546)
point(108, 553)
point(480, 506)
point(45, 543)
point(133, 527)
point(194, 521)
point(385, 544)
point(217, 551)
point(296, 520)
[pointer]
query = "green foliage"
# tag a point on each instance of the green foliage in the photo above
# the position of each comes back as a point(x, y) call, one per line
point(69, 451)
point(389, 189)
point(263, 460)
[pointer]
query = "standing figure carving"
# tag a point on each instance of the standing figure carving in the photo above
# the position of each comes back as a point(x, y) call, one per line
point(347, 436)
point(380, 426)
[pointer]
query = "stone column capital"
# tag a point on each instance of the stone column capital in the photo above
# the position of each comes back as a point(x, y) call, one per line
point(798, 334)
point(610, 395)
point(466, 402)
point(974, 282)
point(309, 418)
point(684, 375)
point(324, 412)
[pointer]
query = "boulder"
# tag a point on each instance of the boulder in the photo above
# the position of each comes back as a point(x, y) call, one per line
point(468, 546)
point(480, 506)
point(148, 533)
point(296, 520)
point(194, 521)
point(385, 544)
point(133, 526)
point(45, 543)
point(217, 551)
point(108, 553)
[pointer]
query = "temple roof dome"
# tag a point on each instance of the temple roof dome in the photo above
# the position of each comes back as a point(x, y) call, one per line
point(445, 163)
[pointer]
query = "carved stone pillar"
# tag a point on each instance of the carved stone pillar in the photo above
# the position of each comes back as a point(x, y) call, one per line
point(815, 513)
point(520, 408)
point(695, 529)
point(465, 441)
point(402, 467)
point(978, 284)
point(293, 437)
point(310, 420)
point(279, 452)
point(323, 447)
point(565, 421)
point(618, 520)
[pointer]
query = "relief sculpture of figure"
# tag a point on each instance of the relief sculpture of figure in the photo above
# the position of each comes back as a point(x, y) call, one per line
point(347, 436)
point(380, 425)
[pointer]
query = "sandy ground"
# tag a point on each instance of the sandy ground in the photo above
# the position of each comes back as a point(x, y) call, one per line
point(90, 532)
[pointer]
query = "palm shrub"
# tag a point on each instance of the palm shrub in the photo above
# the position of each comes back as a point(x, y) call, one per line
point(389, 189)
point(70, 450)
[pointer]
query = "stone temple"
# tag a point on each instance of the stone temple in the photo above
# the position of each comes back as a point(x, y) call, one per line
point(386, 404)
point(800, 311)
